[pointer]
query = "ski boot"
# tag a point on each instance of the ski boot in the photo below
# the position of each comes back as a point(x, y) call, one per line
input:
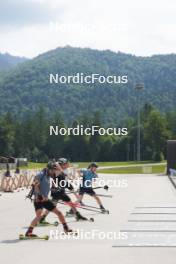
point(70, 213)
point(103, 210)
point(67, 230)
point(29, 233)
point(80, 217)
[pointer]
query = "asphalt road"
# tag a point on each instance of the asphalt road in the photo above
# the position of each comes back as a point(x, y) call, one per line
point(95, 243)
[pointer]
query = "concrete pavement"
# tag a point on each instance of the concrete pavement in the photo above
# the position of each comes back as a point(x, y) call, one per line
point(139, 191)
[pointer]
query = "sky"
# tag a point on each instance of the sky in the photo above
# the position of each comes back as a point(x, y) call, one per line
point(141, 27)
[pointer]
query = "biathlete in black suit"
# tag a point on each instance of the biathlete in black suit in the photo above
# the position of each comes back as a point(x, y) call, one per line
point(60, 184)
point(41, 188)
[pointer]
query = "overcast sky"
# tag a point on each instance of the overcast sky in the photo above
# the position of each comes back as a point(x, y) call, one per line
point(141, 27)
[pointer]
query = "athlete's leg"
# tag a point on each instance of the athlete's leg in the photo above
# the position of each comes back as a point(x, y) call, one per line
point(59, 214)
point(46, 212)
point(37, 218)
point(80, 197)
point(66, 199)
point(62, 219)
point(76, 195)
point(98, 201)
point(43, 216)
point(34, 222)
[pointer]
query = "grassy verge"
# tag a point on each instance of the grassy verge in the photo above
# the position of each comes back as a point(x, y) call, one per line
point(34, 165)
point(114, 163)
point(156, 168)
point(136, 170)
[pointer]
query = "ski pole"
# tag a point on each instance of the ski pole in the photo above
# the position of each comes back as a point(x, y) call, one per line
point(89, 206)
point(104, 195)
point(99, 187)
point(82, 207)
point(106, 187)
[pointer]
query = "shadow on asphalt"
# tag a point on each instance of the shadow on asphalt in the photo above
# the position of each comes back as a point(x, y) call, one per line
point(10, 241)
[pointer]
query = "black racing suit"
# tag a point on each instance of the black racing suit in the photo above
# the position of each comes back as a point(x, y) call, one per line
point(59, 184)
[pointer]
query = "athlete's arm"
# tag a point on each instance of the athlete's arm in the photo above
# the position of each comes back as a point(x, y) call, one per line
point(80, 172)
point(36, 184)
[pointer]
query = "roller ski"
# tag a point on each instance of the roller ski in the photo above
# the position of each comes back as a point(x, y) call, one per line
point(32, 237)
point(91, 219)
point(104, 211)
point(79, 217)
point(44, 223)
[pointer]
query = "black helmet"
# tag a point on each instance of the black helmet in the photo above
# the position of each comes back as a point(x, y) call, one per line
point(63, 161)
point(93, 165)
point(51, 165)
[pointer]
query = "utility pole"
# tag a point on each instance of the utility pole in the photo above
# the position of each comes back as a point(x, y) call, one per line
point(139, 87)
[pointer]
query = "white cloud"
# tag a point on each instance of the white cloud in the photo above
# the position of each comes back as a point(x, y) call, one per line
point(21, 13)
point(139, 27)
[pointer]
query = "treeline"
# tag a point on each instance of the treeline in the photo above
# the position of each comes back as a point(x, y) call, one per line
point(30, 137)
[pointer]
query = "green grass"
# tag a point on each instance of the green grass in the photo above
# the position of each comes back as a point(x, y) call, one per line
point(135, 170)
point(34, 165)
point(114, 163)
point(155, 169)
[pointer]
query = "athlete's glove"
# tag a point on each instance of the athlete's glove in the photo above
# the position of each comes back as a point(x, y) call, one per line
point(106, 187)
point(39, 198)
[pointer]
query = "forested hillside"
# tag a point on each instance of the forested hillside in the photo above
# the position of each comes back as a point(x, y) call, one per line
point(7, 61)
point(26, 87)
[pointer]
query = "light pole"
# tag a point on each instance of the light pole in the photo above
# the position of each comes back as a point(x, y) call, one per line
point(139, 87)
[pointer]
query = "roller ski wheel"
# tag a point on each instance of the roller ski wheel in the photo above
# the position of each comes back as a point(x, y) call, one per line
point(56, 223)
point(33, 237)
point(79, 217)
point(84, 219)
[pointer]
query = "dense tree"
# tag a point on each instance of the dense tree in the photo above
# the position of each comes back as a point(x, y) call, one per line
point(7, 133)
point(156, 134)
point(29, 137)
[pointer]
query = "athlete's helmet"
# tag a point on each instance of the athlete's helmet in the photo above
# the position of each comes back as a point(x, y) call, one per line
point(93, 165)
point(52, 165)
point(63, 161)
